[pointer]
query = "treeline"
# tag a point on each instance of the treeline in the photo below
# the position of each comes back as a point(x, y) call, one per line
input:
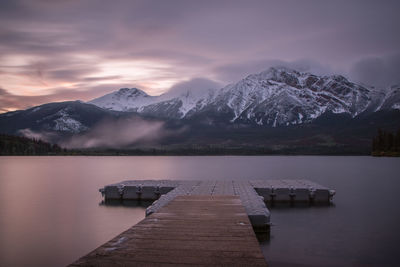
point(386, 143)
point(17, 145)
point(218, 151)
point(204, 151)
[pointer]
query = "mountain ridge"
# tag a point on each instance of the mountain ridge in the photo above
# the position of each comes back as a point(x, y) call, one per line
point(277, 96)
point(275, 110)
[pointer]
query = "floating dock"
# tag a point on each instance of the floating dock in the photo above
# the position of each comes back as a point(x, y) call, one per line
point(253, 194)
point(199, 222)
point(190, 230)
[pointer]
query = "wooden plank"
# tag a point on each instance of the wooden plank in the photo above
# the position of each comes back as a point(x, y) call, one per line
point(190, 230)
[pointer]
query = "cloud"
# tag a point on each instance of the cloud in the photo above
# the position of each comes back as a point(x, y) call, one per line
point(10, 101)
point(44, 136)
point(377, 71)
point(233, 72)
point(47, 46)
point(120, 133)
point(126, 132)
point(104, 78)
point(196, 86)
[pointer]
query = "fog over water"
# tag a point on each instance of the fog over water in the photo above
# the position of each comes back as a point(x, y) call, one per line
point(50, 211)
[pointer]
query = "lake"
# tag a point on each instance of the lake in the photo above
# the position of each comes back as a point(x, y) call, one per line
point(51, 212)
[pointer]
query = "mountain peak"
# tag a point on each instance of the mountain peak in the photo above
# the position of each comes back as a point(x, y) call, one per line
point(131, 92)
point(125, 99)
point(278, 73)
point(277, 96)
point(278, 70)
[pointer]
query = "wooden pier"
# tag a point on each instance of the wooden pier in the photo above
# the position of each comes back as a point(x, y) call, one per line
point(189, 230)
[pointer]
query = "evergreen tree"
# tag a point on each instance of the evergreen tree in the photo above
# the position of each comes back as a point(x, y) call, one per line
point(397, 141)
point(386, 143)
point(17, 145)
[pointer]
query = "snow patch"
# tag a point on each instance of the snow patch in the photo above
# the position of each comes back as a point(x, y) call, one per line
point(279, 93)
point(396, 106)
point(35, 109)
point(67, 124)
point(124, 99)
point(339, 110)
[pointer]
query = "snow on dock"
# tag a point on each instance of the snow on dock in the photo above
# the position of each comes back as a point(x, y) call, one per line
point(199, 229)
point(198, 222)
point(253, 194)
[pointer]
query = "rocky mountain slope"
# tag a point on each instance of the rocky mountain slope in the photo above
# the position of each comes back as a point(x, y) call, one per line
point(69, 117)
point(275, 97)
point(279, 108)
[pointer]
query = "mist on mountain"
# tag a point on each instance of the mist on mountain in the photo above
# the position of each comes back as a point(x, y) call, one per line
point(119, 133)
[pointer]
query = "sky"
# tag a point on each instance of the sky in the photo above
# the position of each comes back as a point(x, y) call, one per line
point(55, 50)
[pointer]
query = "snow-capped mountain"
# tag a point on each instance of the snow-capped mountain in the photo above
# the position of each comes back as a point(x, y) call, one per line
point(166, 106)
point(277, 96)
point(391, 99)
point(277, 109)
point(125, 99)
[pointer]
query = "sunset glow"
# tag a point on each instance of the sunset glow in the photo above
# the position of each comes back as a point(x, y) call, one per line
point(66, 50)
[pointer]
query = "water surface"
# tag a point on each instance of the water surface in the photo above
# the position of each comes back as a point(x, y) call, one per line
point(50, 212)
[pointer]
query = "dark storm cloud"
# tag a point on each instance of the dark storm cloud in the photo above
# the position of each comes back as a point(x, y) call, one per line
point(49, 43)
point(236, 71)
point(195, 85)
point(210, 26)
point(378, 71)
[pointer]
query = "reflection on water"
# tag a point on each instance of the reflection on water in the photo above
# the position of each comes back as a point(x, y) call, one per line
point(50, 213)
point(265, 237)
point(126, 203)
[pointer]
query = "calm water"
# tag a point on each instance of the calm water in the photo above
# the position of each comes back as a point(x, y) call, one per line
point(50, 213)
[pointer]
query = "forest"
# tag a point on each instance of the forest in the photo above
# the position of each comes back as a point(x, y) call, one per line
point(18, 145)
point(386, 143)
